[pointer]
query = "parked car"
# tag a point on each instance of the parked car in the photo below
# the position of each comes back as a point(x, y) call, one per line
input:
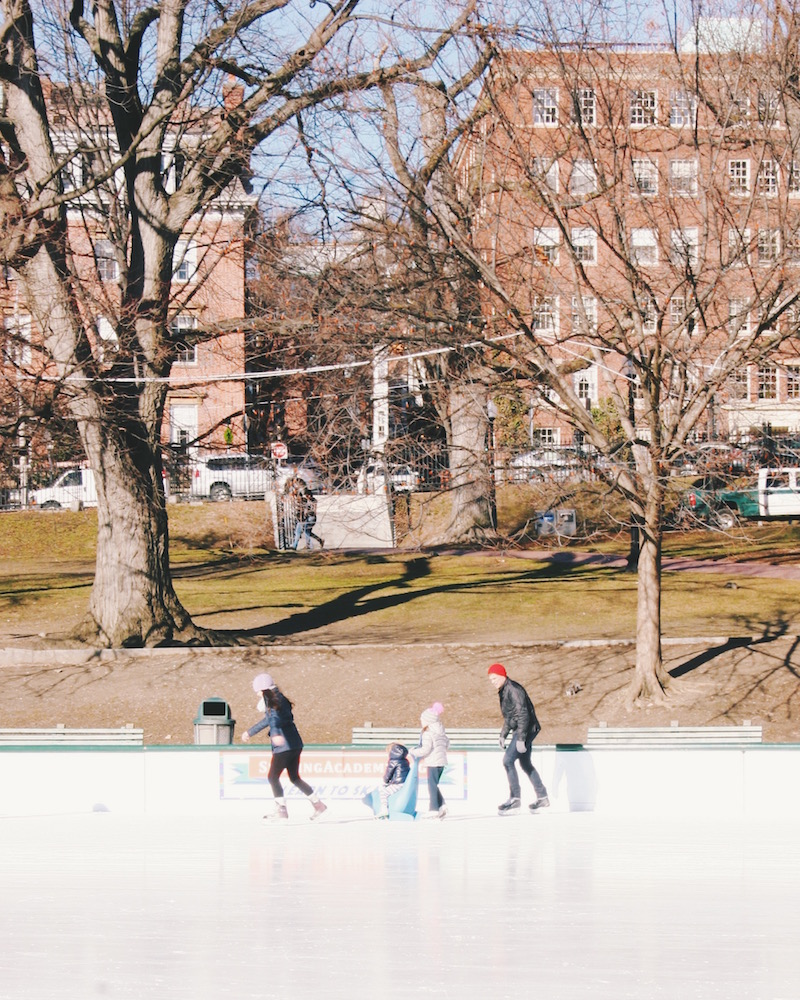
point(223, 477)
point(249, 477)
point(404, 479)
point(305, 469)
point(540, 462)
point(373, 477)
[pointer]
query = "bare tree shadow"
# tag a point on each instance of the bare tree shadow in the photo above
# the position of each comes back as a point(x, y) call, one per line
point(735, 642)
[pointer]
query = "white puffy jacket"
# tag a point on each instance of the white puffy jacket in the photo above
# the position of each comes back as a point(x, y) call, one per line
point(433, 741)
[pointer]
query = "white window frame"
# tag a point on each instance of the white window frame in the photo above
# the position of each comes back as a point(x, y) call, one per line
point(545, 313)
point(767, 179)
point(768, 107)
point(739, 244)
point(546, 242)
point(793, 179)
point(683, 177)
point(584, 106)
point(739, 177)
point(792, 382)
point(186, 354)
point(584, 173)
point(644, 177)
point(767, 382)
point(739, 317)
point(589, 311)
point(586, 377)
point(682, 109)
point(185, 262)
point(769, 245)
point(584, 244)
point(643, 108)
point(685, 245)
point(644, 246)
point(546, 171)
point(17, 348)
point(106, 261)
point(545, 106)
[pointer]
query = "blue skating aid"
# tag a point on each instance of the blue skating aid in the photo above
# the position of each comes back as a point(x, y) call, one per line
point(403, 804)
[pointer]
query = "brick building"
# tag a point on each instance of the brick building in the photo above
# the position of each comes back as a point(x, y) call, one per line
point(628, 195)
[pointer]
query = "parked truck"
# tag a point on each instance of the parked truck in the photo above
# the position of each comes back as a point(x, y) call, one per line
point(771, 494)
point(73, 489)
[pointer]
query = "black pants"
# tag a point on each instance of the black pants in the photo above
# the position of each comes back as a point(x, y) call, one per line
point(510, 758)
point(289, 761)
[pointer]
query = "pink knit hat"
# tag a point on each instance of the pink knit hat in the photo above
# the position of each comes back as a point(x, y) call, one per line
point(263, 683)
point(437, 708)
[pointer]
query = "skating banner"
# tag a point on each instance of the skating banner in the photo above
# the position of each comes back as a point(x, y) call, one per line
point(334, 774)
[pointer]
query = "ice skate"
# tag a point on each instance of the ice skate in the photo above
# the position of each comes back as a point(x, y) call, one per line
point(319, 809)
point(542, 803)
point(509, 806)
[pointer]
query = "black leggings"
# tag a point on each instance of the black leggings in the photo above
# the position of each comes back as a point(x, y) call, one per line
point(289, 761)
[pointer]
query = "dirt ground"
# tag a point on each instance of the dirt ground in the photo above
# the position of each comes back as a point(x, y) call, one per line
point(337, 687)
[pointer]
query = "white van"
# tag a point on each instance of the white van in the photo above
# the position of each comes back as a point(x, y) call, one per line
point(73, 489)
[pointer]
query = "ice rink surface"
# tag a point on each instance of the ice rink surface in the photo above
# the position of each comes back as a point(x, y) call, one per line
point(562, 905)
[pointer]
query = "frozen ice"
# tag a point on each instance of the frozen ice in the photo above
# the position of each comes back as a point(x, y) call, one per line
point(562, 906)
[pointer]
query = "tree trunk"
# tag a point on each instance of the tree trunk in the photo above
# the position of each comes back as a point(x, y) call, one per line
point(471, 484)
point(651, 679)
point(133, 602)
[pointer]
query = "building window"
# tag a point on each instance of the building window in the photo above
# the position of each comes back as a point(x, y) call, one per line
point(791, 247)
point(584, 314)
point(684, 246)
point(683, 177)
point(586, 386)
point(545, 312)
point(545, 437)
point(17, 347)
point(739, 317)
point(738, 110)
point(644, 246)
point(738, 247)
point(545, 170)
point(185, 261)
point(793, 382)
point(682, 109)
point(545, 106)
point(649, 316)
point(739, 177)
point(737, 384)
point(767, 179)
point(584, 244)
point(185, 348)
point(768, 107)
point(644, 177)
point(767, 381)
point(545, 245)
point(584, 106)
point(583, 179)
point(769, 246)
point(643, 107)
point(794, 178)
point(106, 261)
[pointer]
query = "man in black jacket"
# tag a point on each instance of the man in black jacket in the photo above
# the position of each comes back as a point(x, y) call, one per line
point(519, 719)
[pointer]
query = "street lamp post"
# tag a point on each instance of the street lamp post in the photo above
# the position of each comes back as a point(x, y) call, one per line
point(491, 413)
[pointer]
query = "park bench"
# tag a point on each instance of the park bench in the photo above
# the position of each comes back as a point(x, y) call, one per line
point(60, 735)
point(672, 735)
point(380, 736)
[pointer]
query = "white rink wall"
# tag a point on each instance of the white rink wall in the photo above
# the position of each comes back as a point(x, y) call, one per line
point(752, 782)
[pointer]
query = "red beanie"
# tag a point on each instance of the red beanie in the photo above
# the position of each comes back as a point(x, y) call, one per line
point(498, 668)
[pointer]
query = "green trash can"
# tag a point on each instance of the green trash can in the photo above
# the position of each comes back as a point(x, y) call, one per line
point(213, 724)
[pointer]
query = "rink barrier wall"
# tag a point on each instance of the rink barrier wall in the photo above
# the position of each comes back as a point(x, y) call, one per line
point(758, 781)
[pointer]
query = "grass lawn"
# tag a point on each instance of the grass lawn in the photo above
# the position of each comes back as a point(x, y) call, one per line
point(229, 579)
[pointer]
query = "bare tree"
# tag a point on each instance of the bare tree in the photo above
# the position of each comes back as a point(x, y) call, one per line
point(637, 240)
point(187, 90)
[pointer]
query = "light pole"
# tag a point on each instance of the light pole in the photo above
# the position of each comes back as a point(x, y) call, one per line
point(491, 413)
